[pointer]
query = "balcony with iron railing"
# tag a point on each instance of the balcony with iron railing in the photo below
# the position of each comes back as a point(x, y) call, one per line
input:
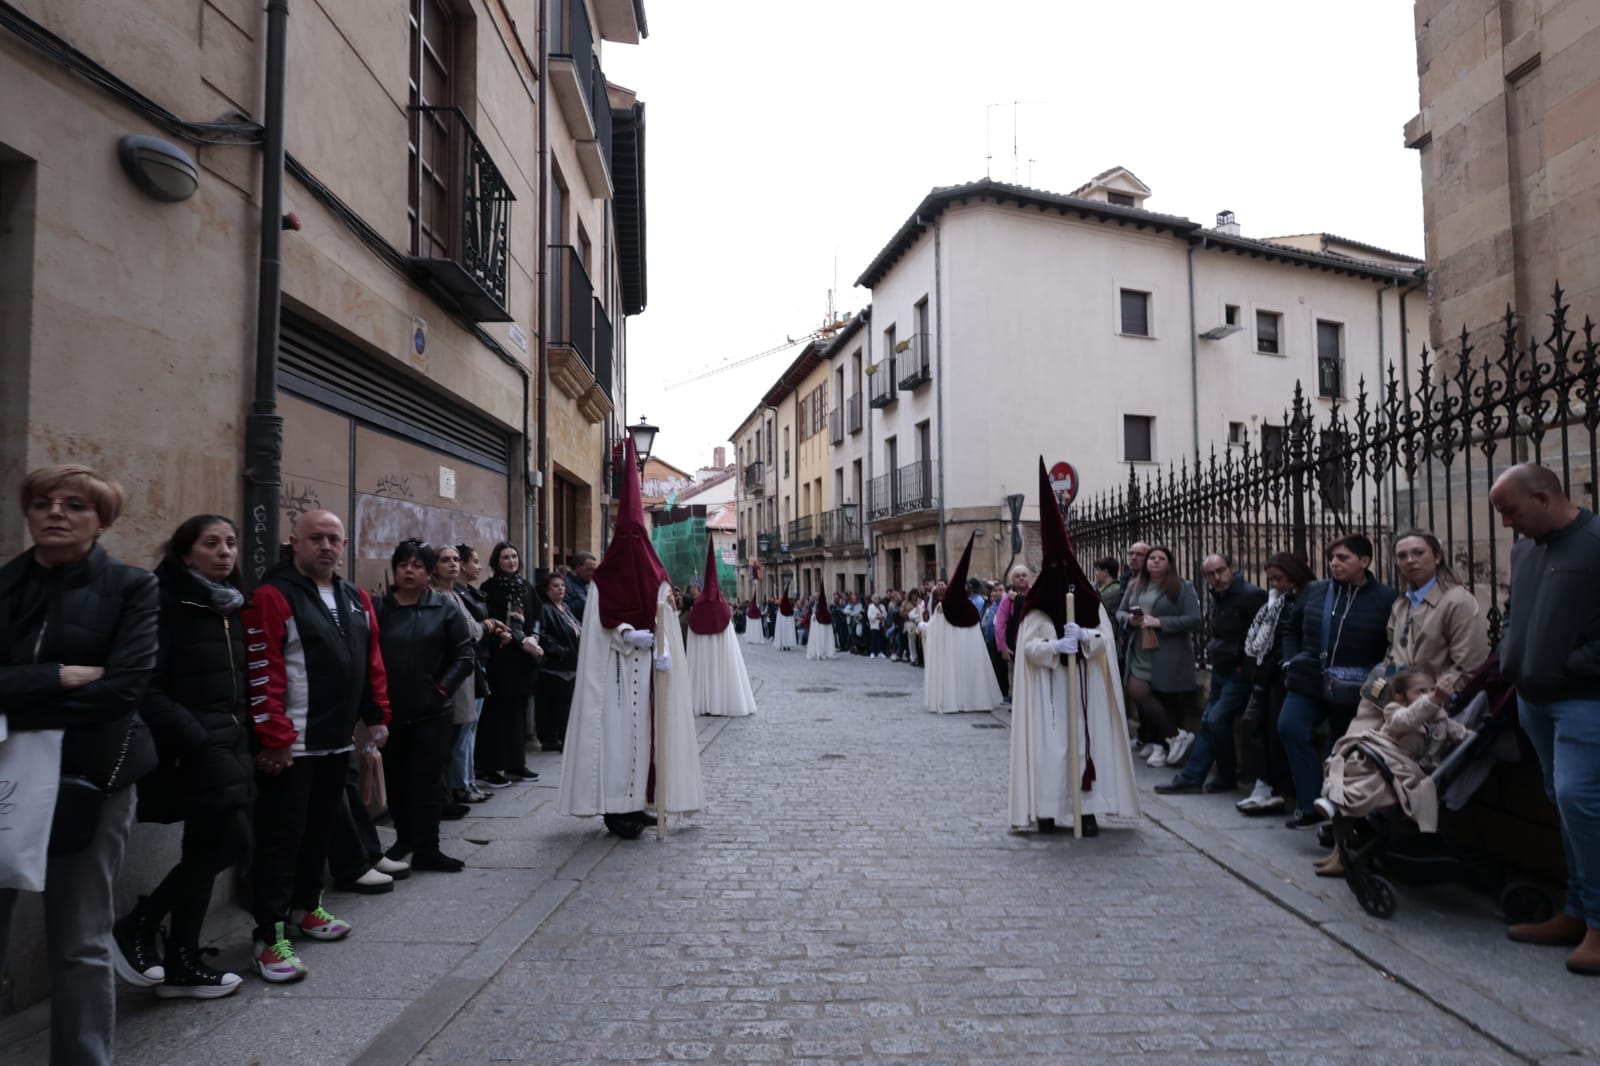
point(804, 534)
point(836, 426)
point(571, 66)
point(911, 358)
point(572, 307)
point(881, 390)
point(739, 547)
point(909, 489)
point(842, 526)
point(853, 413)
point(596, 403)
point(770, 545)
point(755, 478)
point(461, 213)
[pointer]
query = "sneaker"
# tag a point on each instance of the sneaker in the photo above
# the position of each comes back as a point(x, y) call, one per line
point(1178, 747)
point(1304, 820)
point(522, 773)
point(1258, 795)
point(1325, 807)
point(317, 924)
point(1178, 786)
point(135, 956)
point(1145, 749)
point(395, 868)
point(1158, 756)
point(372, 883)
point(276, 961)
point(495, 779)
point(188, 977)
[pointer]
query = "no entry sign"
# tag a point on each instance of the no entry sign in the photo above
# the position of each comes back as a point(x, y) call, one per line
point(1064, 482)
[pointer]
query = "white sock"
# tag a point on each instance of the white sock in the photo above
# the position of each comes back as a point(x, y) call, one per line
point(1262, 791)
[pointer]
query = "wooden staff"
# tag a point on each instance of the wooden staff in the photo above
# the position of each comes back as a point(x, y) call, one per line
point(1074, 727)
point(658, 717)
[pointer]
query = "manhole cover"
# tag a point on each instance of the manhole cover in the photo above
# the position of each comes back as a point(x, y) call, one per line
point(832, 756)
point(818, 688)
point(987, 725)
point(885, 695)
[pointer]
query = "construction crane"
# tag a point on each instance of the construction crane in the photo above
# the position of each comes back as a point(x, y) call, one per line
point(830, 325)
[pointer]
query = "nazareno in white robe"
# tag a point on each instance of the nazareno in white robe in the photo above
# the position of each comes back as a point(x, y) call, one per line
point(957, 673)
point(605, 761)
point(752, 631)
point(819, 640)
point(1039, 778)
point(783, 634)
point(718, 682)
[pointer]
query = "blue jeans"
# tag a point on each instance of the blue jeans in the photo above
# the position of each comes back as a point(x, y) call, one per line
point(460, 772)
point(1230, 691)
point(1297, 727)
point(1566, 738)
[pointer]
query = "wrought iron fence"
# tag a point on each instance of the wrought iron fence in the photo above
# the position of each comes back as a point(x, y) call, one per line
point(1420, 451)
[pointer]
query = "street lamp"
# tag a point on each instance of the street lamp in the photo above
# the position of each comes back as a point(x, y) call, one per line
point(644, 438)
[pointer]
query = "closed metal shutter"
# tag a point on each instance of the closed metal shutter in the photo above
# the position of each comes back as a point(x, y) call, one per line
point(325, 370)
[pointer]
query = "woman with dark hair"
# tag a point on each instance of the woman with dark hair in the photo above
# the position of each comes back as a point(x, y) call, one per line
point(428, 653)
point(1261, 754)
point(557, 631)
point(449, 569)
point(78, 639)
point(198, 709)
point(502, 744)
point(1161, 672)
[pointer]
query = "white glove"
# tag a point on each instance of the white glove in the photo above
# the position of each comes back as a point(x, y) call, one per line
point(1065, 646)
point(664, 662)
point(640, 638)
point(1072, 630)
point(922, 627)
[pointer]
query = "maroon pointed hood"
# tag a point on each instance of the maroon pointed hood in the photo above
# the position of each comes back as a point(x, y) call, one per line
point(786, 605)
point(710, 614)
point(754, 610)
point(630, 576)
point(823, 616)
point(1060, 572)
point(958, 609)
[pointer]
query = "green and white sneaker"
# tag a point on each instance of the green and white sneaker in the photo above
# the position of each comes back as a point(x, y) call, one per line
point(276, 961)
point(317, 924)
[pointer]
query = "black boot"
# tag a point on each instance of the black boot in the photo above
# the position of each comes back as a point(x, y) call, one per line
point(1091, 828)
point(188, 977)
point(135, 954)
point(1047, 825)
point(627, 826)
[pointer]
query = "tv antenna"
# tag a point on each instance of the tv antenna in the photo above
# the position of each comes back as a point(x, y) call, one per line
point(988, 139)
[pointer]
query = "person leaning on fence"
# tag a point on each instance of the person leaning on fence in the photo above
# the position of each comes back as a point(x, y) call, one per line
point(1261, 757)
point(1337, 633)
point(1550, 653)
point(1161, 675)
point(78, 637)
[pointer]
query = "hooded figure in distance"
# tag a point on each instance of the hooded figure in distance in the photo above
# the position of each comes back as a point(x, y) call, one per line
point(718, 683)
point(959, 676)
point(784, 634)
point(819, 638)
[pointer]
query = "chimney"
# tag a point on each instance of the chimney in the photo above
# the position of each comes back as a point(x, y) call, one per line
point(1227, 223)
point(718, 458)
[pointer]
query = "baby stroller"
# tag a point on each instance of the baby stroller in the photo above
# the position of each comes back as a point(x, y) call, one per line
point(1386, 845)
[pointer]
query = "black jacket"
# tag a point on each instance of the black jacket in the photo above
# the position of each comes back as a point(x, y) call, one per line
point(478, 608)
point(1551, 647)
point(556, 637)
point(428, 653)
point(1234, 608)
point(1363, 639)
point(98, 612)
point(198, 706)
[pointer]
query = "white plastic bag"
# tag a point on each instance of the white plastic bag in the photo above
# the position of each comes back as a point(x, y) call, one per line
point(30, 775)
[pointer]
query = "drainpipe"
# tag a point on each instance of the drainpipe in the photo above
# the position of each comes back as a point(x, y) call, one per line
point(1194, 356)
point(942, 555)
point(539, 507)
point(866, 509)
point(263, 428)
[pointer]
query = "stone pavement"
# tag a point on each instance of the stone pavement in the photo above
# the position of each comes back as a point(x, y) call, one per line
point(849, 894)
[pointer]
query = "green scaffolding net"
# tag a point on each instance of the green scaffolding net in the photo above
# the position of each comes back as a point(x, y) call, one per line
point(681, 546)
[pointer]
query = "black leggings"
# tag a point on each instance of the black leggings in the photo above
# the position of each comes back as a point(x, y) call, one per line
point(413, 774)
point(502, 742)
point(552, 703)
point(1160, 713)
point(213, 840)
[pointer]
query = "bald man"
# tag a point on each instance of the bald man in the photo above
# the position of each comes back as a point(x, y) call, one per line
point(1551, 653)
point(314, 667)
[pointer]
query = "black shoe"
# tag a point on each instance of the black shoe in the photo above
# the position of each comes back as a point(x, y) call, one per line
point(1178, 786)
point(398, 851)
point(1222, 784)
point(1047, 825)
point(437, 861)
point(522, 773)
point(495, 779)
point(627, 826)
point(188, 977)
point(1304, 820)
point(134, 953)
point(1091, 828)
point(1325, 835)
point(454, 812)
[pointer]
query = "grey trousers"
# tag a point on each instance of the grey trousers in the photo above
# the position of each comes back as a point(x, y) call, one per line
point(78, 913)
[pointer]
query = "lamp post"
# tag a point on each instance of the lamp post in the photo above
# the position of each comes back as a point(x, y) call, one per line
point(644, 438)
point(1014, 505)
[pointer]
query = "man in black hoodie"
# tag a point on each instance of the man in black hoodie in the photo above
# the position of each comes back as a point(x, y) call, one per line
point(1551, 653)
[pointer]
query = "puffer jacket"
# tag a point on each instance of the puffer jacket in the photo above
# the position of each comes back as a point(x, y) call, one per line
point(428, 653)
point(1359, 633)
point(198, 706)
point(101, 613)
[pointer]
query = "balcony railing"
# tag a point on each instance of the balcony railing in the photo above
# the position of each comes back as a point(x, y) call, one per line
point(911, 488)
point(572, 66)
point(603, 341)
point(739, 546)
point(755, 478)
point(804, 535)
point(881, 385)
point(842, 527)
point(572, 308)
point(770, 545)
point(853, 413)
point(836, 426)
point(461, 242)
point(1330, 377)
point(915, 368)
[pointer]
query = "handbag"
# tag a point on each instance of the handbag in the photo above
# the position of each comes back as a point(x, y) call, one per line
point(30, 777)
point(79, 799)
point(1341, 685)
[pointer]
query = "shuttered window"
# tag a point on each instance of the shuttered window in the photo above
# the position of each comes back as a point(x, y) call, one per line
point(1137, 431)
point(1135, 313)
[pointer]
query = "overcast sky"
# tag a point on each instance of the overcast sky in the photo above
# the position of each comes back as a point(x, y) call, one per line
point(782, 139)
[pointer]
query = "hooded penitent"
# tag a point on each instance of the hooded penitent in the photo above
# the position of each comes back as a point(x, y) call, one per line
point(824, 616)
point(754, 610)
point(710, 614)
point(630, 576)
point(1060, 573)
point(958, 610)
point(786, 605)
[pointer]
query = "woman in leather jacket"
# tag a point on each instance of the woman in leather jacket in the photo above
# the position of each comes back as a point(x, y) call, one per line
point(558, 633)
point(428, 653)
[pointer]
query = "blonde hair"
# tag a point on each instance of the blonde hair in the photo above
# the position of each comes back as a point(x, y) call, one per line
point(106, 495)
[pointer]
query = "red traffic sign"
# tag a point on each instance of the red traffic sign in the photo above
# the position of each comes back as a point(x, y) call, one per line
point(1064, 482)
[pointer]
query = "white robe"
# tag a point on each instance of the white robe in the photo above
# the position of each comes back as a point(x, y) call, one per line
point(752, 631)
point(958, 675)
point(819, 639)
point(605, 762)
point(718, 683)
point(1039, 778)
point(783, 633)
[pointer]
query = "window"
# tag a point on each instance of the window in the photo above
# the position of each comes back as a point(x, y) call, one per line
point(1330, 359)
point(432, 155)
point(1230, 314)
point(1135, 313)
point(1138, 433)
point(1272, 452)
point(1121, 199)
point(1237, 434)
point(1267, 329)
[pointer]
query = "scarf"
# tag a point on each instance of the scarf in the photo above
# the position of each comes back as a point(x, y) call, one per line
point(225, 599)
point(505, 593)
point(1265, 626)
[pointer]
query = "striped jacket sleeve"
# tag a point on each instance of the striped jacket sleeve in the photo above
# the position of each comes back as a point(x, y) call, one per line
point(266, 622)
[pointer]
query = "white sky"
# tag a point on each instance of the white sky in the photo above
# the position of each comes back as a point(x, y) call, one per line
point(783, 137)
